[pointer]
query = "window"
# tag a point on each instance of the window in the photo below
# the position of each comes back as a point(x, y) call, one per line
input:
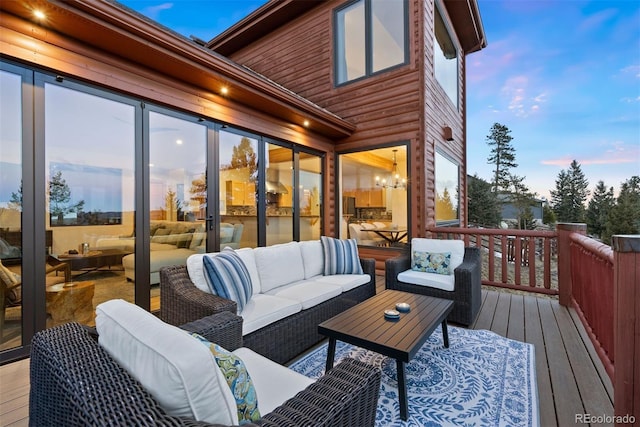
point(447, 184)
point(371, 36)
point(374, 196)
point(445, 59)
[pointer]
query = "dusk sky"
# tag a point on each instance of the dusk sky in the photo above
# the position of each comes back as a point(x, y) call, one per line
point(563, 76)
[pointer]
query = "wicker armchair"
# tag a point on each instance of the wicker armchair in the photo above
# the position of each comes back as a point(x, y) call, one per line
point(467, 296)
point(74, 382)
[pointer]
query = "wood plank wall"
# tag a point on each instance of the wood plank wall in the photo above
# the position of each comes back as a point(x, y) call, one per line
point(403, 104)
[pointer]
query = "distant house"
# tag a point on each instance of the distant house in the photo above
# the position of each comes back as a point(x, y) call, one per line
point(510, 212)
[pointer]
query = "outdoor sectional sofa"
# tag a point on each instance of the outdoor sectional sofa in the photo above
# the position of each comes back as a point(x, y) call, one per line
point(75, 381)
point(291, 296)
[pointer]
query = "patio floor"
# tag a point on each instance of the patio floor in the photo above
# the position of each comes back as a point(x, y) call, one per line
point(571, 379)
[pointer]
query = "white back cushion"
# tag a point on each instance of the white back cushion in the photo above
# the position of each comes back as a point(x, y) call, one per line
point(279, 265)
point(312, 257)
point(456, 247)
point(174, 367)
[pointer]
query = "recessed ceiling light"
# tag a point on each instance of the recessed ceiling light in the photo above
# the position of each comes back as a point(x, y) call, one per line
point(39, 14)
point(179, 141)
point(306, 123)
point(224, 90)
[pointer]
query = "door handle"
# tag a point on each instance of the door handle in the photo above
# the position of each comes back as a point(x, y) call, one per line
point(209, 221)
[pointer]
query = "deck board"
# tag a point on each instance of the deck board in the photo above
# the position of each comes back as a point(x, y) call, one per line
point(534, 335)
point(570, 379)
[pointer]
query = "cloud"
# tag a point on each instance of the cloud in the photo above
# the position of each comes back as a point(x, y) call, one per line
point(520, 103)
point(617, 153)
point(633, 70)
point(596, 21)
point(153, 11)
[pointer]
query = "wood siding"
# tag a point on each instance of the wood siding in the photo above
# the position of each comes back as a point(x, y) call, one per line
point(403, 104)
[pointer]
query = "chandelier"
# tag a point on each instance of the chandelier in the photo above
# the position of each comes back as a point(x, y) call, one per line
point(394, 180)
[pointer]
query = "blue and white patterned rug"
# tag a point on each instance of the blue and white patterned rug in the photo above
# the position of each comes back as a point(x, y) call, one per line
point(482, 379)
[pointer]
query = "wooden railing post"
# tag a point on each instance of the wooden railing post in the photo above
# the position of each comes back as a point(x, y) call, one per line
point(626, 306)
point(564, 259)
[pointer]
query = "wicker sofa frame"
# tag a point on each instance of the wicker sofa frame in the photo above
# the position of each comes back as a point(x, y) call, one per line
point(74, 382)
point(280, 341)
point(467, 294)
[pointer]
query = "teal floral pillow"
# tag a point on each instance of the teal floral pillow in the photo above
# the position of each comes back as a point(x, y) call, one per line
point(431, 262)
point(238, 379)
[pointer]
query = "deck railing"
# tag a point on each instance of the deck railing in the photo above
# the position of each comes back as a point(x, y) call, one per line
point(592, 293)
point(515, 259)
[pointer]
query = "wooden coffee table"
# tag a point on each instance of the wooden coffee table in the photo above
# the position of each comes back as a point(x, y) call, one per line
point(364, 325)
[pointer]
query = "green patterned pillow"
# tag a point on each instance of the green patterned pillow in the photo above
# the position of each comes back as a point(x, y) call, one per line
point(238, 379)
point(431, 262)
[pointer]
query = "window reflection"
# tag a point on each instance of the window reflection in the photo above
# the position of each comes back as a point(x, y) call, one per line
point(447, 184)
point(89, 164)
point(238, 167)
point(445, 59)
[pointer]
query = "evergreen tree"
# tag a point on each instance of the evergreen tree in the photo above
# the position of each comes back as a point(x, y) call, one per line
point(598, 209)
point(548, 215)
point(522, 199)
point(484, 209)
point(624, 216)
point(16, 199)
point(244, 156)
point(570, 194)
point(60, 198)
point(503, 156)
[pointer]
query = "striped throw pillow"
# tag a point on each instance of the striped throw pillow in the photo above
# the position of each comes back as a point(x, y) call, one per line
point(228, 277)
point(340, 256)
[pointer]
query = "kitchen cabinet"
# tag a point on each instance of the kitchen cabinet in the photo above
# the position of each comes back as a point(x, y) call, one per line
point(286, 200)
point(240, 193)
point(373, 198)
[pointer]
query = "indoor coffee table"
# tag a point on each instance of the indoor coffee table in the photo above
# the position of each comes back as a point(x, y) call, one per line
point(365, 325)
point(93, 261)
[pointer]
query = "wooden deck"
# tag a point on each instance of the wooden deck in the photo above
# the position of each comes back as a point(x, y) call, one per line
point(571, 379)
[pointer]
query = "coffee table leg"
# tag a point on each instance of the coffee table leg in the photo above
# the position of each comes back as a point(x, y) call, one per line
point(331, 352)
point(402, 390)
point(445, 333)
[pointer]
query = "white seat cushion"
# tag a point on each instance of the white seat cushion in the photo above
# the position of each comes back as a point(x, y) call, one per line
point(262, 310)
point(174, 367)
point(308, 292)
point(445, 282)
point(345, 281)
point(279, 265)
point(274, 383)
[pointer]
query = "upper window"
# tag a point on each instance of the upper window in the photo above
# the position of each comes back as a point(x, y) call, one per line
point(371, 36)
point(445, 59)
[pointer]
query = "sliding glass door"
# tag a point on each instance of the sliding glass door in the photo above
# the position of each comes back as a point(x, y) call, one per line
point(177, 194)
point(89, 176)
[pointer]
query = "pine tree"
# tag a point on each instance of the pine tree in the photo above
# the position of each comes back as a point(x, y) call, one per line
point(624, 216)
point(570, 194)
point(598, 209)
point(484, 209)
point(60, 198)
point(502, 156)
point(522, 199)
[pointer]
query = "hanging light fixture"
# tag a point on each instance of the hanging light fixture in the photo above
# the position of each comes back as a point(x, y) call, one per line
point(394, 181)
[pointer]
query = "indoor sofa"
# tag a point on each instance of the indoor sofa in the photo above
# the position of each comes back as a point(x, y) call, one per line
point(141, 371)
point(291, 295)
point(172, 242)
